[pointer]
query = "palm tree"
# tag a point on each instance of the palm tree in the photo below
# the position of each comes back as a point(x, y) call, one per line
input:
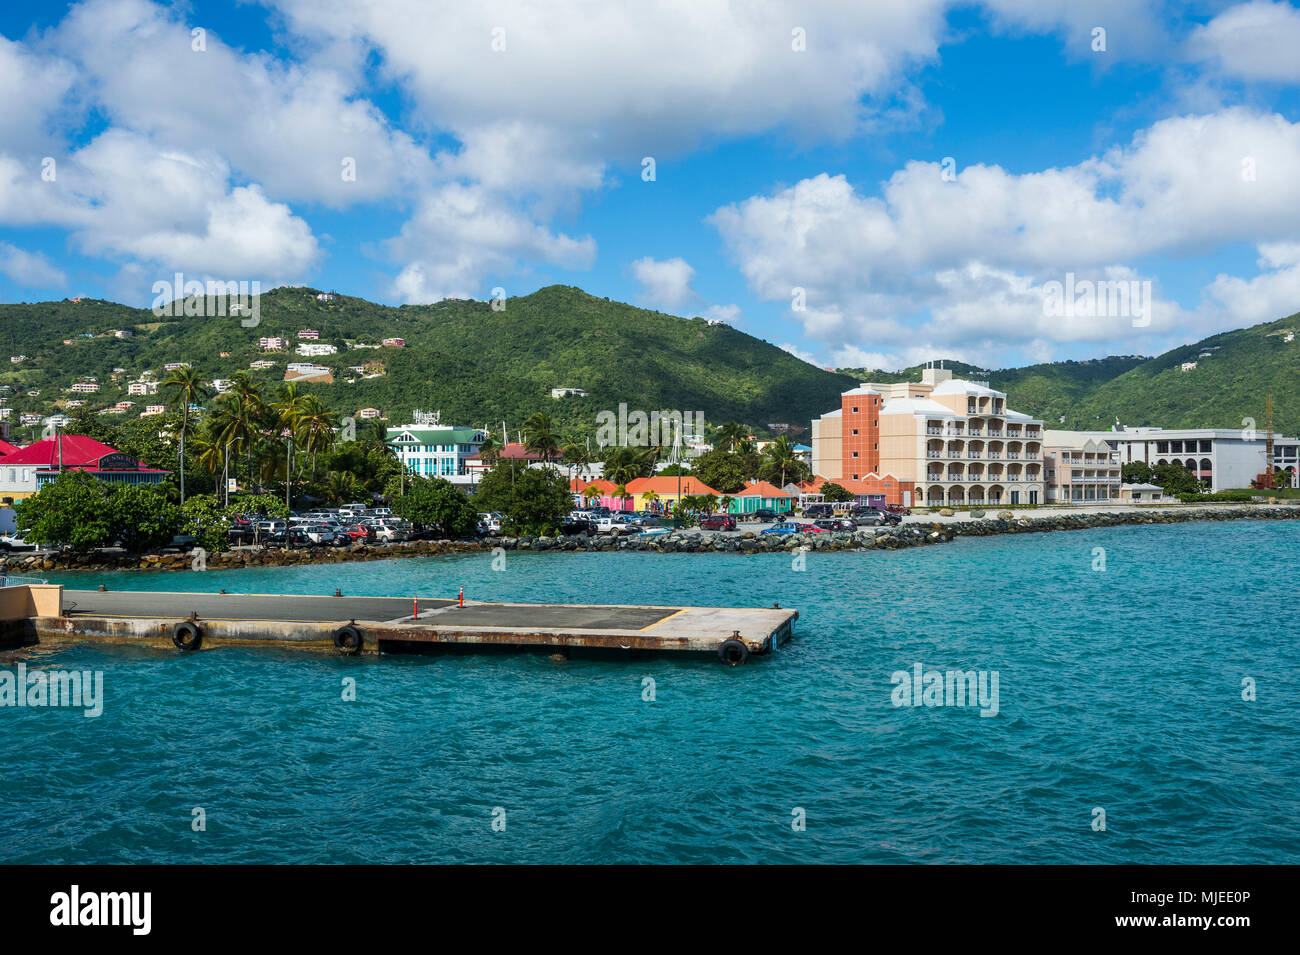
point(575, 457)
point(782, 460)
point(185, 386)
point(489, 450)
point(648, 498)
point(729, 435)
point(341, 486)
point(316, 426)
point(540, 437)
point(289, 409)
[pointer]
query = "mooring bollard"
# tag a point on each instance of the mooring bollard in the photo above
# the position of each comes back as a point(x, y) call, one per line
point(415, 602)
point(462, 596)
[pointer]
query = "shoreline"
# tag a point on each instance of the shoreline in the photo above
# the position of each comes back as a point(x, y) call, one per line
point(919, 533)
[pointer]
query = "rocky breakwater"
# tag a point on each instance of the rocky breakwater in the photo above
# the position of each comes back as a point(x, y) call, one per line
point(1085, 520)
point(914, 533)
point(690, 542)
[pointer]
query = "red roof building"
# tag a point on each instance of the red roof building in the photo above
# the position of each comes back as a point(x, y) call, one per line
point(25, 471)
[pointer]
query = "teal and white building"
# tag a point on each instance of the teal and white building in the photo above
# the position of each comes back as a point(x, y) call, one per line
point(432, 449)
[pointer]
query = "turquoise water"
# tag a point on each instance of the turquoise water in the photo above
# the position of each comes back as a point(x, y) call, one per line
point(1118, 689)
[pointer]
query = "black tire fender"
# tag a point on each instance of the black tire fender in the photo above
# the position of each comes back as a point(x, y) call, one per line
point(187, 635)
point(733, 652)
point(348, 640)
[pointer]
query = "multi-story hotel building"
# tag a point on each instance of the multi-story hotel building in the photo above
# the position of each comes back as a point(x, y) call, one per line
point(1080, 469)
point(956, 441)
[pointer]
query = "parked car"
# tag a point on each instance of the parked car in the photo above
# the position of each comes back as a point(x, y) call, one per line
point(359, 532)
point(296, 536)
point(718, 522)
point(818, 510)
point(491, 521)
point(785, 527)
point(612, 525)
point(387, 530)
point(834, 524)
point(13, 542)
point(765, 515)
point(872, 517)
point(570, 527)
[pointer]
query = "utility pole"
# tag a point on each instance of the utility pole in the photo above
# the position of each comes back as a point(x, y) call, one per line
point(1268, 439)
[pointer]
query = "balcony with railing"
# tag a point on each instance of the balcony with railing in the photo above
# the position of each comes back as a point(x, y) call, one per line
point(974, 454)
point(933, 454)
point(933, 430)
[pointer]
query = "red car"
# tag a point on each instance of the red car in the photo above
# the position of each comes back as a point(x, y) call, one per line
point(718, 522)
point(359, 532)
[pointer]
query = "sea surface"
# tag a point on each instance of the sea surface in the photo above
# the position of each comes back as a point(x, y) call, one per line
point(1119, 689)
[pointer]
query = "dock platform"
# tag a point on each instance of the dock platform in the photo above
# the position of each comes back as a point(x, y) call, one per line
point(353, 624)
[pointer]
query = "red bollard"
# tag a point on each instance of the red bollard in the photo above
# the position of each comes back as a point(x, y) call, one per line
point(462, 596)
point(415, 602)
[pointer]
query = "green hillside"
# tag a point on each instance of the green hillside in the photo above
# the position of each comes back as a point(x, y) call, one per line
point(1225, 386)
point(480, 366)
point(476, 365)
point(1228, 384)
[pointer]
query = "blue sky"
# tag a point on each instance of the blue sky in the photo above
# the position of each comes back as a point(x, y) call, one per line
point(496, 145)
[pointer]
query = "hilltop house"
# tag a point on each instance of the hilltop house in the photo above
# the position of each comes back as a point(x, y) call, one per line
point(315, 349)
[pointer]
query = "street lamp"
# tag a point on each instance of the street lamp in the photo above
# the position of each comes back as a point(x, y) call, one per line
point(225, 469)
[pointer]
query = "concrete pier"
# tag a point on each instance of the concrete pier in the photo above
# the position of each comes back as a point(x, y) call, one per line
point(347, 624)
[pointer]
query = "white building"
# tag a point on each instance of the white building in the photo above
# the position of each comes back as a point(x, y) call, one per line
point(432, 449)
point(1225, 458)
point(308, 333)
point(315, 349)
point(568, 393)
point(142, 387)
point(273, 344)
point(85, 388)
point(173, 365)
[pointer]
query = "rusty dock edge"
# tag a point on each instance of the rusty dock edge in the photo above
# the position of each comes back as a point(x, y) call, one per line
point(309, 623)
